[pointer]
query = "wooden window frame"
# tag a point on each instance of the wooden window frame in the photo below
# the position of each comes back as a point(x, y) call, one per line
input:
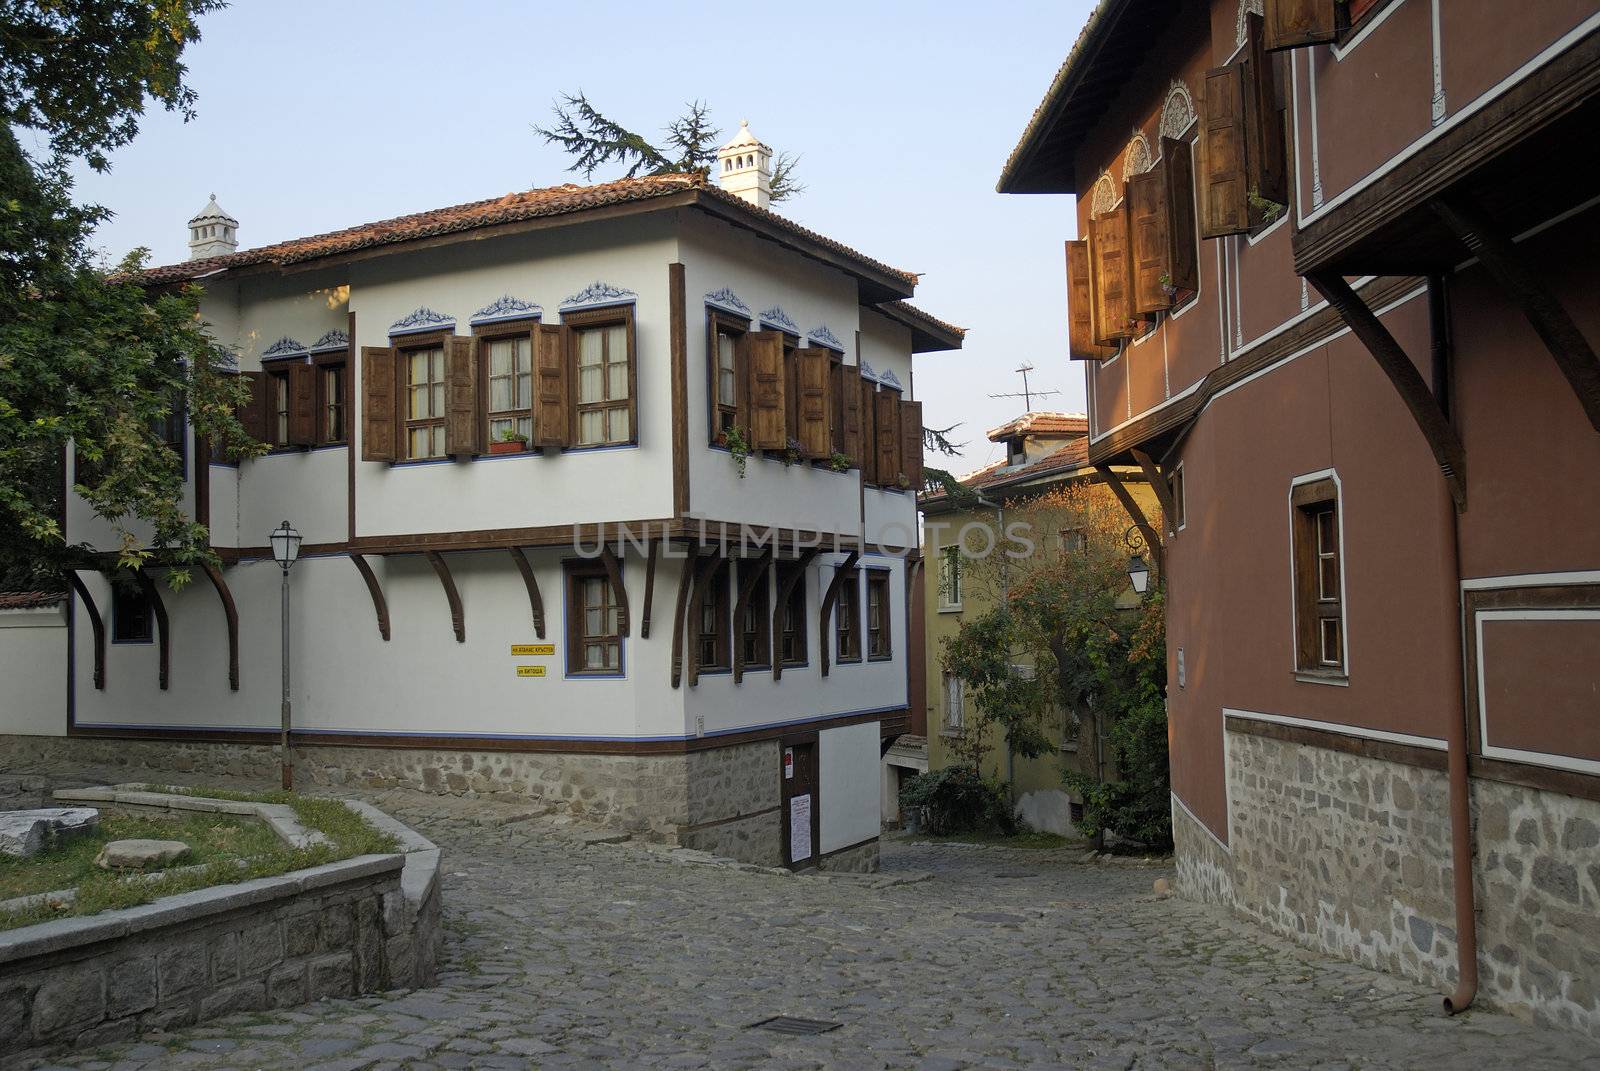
point(404, 346)
point(1177, 488)
point(1314, 608)
point(716, 598)
point(320, 366)
point(577, 572)
point(277, 374)
point(795, 631)
point(758, 607)
point(950, 556)
point(947, 725)
point(120, 614)
point(847, 643)
point(736, 327)
point(880, 634)
point(485, 334)
point(576, 322)
point(791, 391)
point(174, 432)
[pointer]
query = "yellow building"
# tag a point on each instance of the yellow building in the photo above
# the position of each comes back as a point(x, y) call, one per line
point(1044, 452)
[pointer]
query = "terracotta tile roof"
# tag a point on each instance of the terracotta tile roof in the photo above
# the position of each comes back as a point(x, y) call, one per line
point(1041, 424)
point(1062, 461)
point(29, 600)
point(932, 325)
point(511, 208)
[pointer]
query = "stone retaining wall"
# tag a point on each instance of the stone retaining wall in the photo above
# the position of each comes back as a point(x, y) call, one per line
point(1351, 856)
point(856, 859)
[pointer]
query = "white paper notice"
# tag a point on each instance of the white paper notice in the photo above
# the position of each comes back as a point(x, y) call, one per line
point(800, 828)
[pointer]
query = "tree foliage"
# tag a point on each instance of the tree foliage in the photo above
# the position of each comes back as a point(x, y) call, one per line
point(690, 144)
point(90, 358)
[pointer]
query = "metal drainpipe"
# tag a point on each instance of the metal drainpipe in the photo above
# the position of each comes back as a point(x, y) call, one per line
point(1458, 774)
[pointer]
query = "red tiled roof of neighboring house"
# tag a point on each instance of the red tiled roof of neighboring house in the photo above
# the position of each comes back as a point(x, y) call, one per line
point(29, 600)
point(1062, 461)
point(511, 208)
point(1041, 425)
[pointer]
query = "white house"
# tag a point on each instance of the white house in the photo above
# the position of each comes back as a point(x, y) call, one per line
point(535, 559)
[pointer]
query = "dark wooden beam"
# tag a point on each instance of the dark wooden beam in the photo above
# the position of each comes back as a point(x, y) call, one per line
point(828, 600)
point(380, 605)
point(678, 331)
point(747, 587)
point(1152, 538)
point(97, 623)
point(649, 589)
point(785, 590)
point(1158, 483)
point(1407, 381)
point(1543, 310)
point(231, 612)
point(163, 634)
point(458, 620)
point(535, 601)
point(691, 569)
point(704, 568)
point(618, 588)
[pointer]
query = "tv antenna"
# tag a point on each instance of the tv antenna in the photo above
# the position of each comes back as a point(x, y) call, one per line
point(1027, 394)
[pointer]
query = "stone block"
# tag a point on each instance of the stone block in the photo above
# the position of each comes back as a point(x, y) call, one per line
point(333, 976)
point(225, 958)
point(25, 833)
point(140, 854)
point(15, 1002)
point(286, 986)
point(1556, 878)
point(1580, 833)
point(337, 928)
point(245, 996)
point(260, 947)
point(71, 999)
point(180, 969)
point(131, 986)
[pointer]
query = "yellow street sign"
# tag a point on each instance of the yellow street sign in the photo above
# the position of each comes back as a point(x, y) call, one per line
point(533, 648)
point(530, 671)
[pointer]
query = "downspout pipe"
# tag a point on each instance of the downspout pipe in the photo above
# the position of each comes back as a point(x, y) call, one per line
point(1458, 774)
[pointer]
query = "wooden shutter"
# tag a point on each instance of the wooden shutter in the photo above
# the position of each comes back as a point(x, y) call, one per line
point(1184, 260)
point(253, 413)
point(462, 427)
point(378, 401)
point(1299, 23)
point(869, 439)
point(552, 399)
point(767, 430)
point(1266, 152)
point(1081, 344)
point(302, 405)
point(1108, 249)
point(1224, 189)
point(1149, 240)
point(886, 423)
point(911, 442)
point(812, 404)
point(851, 417)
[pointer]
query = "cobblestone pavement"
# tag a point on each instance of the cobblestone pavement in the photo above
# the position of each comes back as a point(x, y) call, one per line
point(565, 956)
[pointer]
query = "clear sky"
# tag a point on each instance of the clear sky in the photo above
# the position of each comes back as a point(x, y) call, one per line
point(317, 116)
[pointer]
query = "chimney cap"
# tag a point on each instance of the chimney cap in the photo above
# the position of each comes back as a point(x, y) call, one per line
point(213, 213)
point(744, 139)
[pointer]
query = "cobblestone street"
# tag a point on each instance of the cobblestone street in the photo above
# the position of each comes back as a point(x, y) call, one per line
point(562, 955)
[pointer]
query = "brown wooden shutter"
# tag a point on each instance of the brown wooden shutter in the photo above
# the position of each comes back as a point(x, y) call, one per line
point(851, 417)
point(253, 413)
point(302, 405)
point(1184, 261)
point(552, 397)
point(1300, 23)
point(1224, 189)
point(1081, 344)
point(886, 423)
point(812, 404)
point(911, 442)
point(869, 439)
point(378, 401)
point(1108, 249)
point(1147, 214)
point(1266, 154)
point(767, 430)
point(462, 426)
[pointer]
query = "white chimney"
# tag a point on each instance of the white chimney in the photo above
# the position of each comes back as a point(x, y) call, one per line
point(212, 233)
point(744, 167)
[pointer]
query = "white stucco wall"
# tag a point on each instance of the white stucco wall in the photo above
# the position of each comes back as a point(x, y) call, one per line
point(848, 769)
point(33, 667)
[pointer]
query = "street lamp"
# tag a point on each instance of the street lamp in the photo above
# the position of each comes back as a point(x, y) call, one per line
point(285, 549)
point(1138, 568)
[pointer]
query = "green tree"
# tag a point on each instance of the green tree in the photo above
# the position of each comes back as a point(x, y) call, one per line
point(88, 357)
point(690, 144)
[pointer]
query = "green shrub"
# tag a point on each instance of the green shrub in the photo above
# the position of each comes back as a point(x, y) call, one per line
point(957, 800)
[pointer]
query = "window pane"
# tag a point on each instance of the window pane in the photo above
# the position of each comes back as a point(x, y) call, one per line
point(525, 426)
point(617, 386)
point(499, 426)
point(1332, 653)
point(1326, 542)
point(500, 357)
point(1328, 577)
point(619, 426)
point(591, 427)
point(590, 385)
point(590, 348)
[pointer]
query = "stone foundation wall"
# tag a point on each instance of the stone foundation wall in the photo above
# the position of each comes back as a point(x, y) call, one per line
point(1351, 856)
point(270, 943)
point(856, 859)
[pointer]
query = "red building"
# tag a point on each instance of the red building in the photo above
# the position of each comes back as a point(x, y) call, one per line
point(1333, 280)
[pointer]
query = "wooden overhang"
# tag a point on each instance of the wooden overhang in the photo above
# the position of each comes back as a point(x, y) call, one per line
point(1116, 39)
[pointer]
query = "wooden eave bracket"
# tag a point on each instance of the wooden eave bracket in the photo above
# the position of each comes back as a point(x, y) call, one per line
point(1158, 483)
point(785, 590)
point(649, 590)
point(1543, 310)
point(457, 619)
point(1407, 381)
point(97, 623)
point(686, 583)
point(380, 605)
point(1152, 538)
point(231, 612)
point(164, 635)
point(704, 567)
point(747, 587)
point(828, 600)
point(531, 583)
point(618, 590)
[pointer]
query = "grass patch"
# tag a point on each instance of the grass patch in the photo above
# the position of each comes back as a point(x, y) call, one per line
point(224, 849)
point(1030, 839)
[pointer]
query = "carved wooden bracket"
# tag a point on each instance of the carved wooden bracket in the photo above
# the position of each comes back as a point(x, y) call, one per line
point(380, 605)
point(649, 589)
point(96, 623)
point(686, 580)
point(785, 590)
point(163, 634)
point(1158, 483)
point(828, 599)
point(1408, 382)
point(458, 620)
point(747, 586)
point(704, 568)
point(535, 600)
point(231, 612)
point(618, 589)
point(1152, 538)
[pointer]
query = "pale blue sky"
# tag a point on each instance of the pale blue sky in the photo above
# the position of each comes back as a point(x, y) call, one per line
point(316, 116)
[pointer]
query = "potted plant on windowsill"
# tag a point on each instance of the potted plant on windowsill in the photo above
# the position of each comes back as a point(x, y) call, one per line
point(792, 453)
point(511, 441)
point(737, 445)
point(840, 462)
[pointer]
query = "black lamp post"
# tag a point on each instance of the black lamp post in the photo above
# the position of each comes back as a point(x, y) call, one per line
point(285, 550)
point(1138, 568)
